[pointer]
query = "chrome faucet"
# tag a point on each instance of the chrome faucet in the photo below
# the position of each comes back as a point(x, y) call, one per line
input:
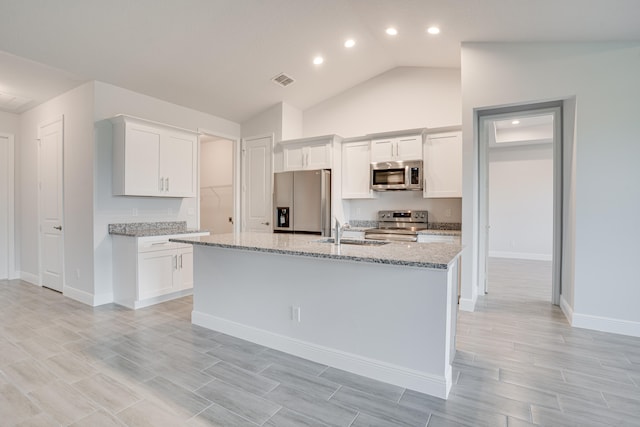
point(338, 231)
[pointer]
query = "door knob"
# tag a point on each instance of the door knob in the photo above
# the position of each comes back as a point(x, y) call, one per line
point(265, 223)
point(59, 227)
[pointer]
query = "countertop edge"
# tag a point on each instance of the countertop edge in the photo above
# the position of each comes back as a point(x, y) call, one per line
point(386, 261)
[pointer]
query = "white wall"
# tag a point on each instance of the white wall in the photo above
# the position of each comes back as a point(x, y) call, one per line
point(402, 98)
point(267, 122)
point(603, 78)
point(109, 101)
point(76, 106)
point(521, 202)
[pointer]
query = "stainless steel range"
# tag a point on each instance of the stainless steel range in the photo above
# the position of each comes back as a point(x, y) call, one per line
point(398, 225)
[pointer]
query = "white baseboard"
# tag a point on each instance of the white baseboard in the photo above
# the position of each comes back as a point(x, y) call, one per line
point(78, 295)
point(101, 299)
point(466, 304)
point(566, 309)
point(434, 385)
point(606, 324)
point(520, 255)
point(34, 279)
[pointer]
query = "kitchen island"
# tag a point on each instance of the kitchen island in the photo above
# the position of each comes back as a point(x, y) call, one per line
point(387, 312)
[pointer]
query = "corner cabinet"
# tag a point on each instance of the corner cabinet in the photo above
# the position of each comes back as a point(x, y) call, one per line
point(394, 149)
point(308, 153)
point(356, 158)
point(443, 165)
point(151, 159)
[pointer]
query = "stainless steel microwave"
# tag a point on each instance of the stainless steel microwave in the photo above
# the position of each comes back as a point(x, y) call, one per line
point(399, 175)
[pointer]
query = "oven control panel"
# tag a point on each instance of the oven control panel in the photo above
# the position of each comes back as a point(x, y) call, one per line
point(403, 216)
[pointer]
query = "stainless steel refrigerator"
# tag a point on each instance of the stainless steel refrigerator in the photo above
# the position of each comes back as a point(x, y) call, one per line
point(302, 202)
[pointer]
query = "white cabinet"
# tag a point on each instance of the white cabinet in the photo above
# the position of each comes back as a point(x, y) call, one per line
point(149, 270)
point(308, 153)
point(150, 159)
point(397, 148)
point(301, 157)
point(356, 158)
point(443, 165)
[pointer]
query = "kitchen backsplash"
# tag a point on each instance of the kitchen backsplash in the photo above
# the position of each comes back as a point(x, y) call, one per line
point(431, 225)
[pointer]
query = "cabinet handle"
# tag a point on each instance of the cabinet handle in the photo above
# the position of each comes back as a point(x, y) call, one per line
point(175, 262)
point(161, 184)
point(167, 184)
point(180, 261)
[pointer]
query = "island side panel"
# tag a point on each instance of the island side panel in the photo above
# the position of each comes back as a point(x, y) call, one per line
point(388, 322)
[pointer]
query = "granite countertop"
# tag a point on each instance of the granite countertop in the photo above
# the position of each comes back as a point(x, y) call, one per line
point(424, 255)
point(146, 229)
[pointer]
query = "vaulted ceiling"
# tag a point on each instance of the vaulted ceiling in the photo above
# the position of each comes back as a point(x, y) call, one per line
point(219, 56)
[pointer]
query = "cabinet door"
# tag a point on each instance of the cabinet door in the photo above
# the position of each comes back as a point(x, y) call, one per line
point(409, 148)
point(318, 156)
point(178, 170)
point(184, 277)
point(142, 160)
point(383, 150)
point(294, 158)
point(443, 165)
point(356, 170)
point(155, 273)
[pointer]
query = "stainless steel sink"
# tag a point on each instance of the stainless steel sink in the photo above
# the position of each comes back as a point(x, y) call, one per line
point(354, 242)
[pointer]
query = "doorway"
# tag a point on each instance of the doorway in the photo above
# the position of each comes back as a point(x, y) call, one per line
point(50, 200)
point(217, 191)
point(520, 191)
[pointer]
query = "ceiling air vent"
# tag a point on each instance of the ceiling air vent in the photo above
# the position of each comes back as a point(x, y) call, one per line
point(283, 80)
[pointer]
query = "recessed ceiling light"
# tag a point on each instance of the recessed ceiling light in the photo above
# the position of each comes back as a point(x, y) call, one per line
point(433, 30)
point(350, 43)
point(318, 60)
point(515, 122)
point(391, 31)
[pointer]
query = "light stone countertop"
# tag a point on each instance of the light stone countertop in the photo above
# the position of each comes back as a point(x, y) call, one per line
point(148, 229)
point(425, 255)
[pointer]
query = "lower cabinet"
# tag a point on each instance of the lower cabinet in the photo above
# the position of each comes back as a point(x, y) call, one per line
point(149, 270)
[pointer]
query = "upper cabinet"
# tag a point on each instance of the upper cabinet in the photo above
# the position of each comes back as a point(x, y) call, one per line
point(396, 148)
point(356, 158)
point(443, 165)
point(308, 153)
point(151, 159)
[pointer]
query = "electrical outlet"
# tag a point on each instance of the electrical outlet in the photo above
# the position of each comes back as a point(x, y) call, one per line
point(447, 213)
point(134, 212)
point(295, 314)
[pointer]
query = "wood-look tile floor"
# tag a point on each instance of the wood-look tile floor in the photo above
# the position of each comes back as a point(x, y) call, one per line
point(518, 363)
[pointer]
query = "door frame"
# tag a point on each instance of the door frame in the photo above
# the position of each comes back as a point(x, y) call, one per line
point(42, 124)
point(483, 117)
point(11, 254)
point(243, 183)
point(236, 175)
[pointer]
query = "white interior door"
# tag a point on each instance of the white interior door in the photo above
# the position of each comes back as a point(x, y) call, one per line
point(6, 206)
point(256, 184)
point(50, 137)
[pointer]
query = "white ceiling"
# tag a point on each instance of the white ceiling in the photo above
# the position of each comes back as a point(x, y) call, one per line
point(218, 56)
